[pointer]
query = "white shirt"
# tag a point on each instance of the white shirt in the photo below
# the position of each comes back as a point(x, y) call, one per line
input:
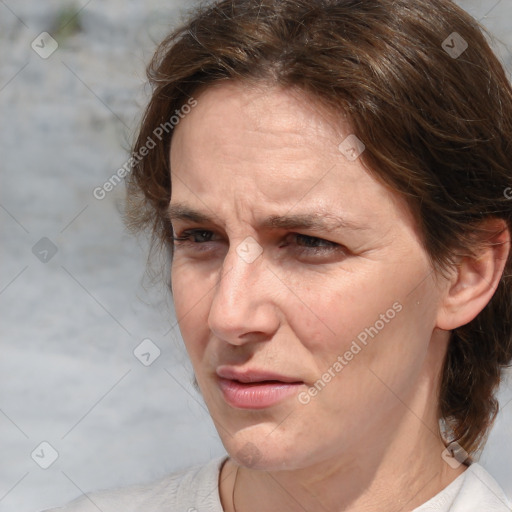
point(197, 490)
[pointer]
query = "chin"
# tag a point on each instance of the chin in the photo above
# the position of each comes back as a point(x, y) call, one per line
point(254, 448)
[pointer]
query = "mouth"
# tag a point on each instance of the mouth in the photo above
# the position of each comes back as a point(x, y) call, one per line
point(255, 389)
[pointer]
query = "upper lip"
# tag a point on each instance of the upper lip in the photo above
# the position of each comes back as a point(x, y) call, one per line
point(252, 375)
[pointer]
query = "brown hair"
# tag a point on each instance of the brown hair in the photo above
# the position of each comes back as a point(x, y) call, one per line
point(437, 126)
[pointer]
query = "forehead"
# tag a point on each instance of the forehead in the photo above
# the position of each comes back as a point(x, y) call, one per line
point(268, 146)
point(245, 126)
point(279, 116)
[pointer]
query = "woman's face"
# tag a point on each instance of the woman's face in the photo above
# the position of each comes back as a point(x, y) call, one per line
point(305, 299)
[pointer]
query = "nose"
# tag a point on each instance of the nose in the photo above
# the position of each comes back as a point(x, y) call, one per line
point(243, 307)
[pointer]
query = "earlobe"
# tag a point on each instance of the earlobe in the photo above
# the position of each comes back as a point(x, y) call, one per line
point(475, 279)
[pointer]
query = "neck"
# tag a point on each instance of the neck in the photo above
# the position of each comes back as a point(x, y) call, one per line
point(345, 484)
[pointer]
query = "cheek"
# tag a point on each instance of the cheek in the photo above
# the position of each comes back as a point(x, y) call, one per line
point(191, 303)
point(330, 311)
point(368, 320)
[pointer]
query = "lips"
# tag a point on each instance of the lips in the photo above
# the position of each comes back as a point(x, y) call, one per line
point(253, 375)
point(255, 389)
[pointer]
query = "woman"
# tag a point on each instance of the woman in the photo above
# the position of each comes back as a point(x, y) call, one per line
point(339, 230)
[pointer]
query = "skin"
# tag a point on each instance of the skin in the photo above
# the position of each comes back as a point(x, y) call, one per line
point(369, 439)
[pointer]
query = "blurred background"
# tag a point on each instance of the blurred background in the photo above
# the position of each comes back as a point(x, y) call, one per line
point(79, 394)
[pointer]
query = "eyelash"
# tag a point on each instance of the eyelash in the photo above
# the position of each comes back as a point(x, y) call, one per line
point(185, 236)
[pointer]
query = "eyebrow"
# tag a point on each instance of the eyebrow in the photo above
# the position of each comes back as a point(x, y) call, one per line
point(315, 221)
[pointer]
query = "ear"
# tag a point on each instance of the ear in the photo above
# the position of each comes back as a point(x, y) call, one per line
point(475, 280)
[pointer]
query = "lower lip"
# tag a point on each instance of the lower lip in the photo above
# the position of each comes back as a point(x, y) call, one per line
point(256, 395)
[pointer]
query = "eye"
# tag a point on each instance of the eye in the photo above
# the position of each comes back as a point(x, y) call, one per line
point(306, 246)
point(313, 241)
point(198, 236)
point(303, 247)
point(194, 236)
